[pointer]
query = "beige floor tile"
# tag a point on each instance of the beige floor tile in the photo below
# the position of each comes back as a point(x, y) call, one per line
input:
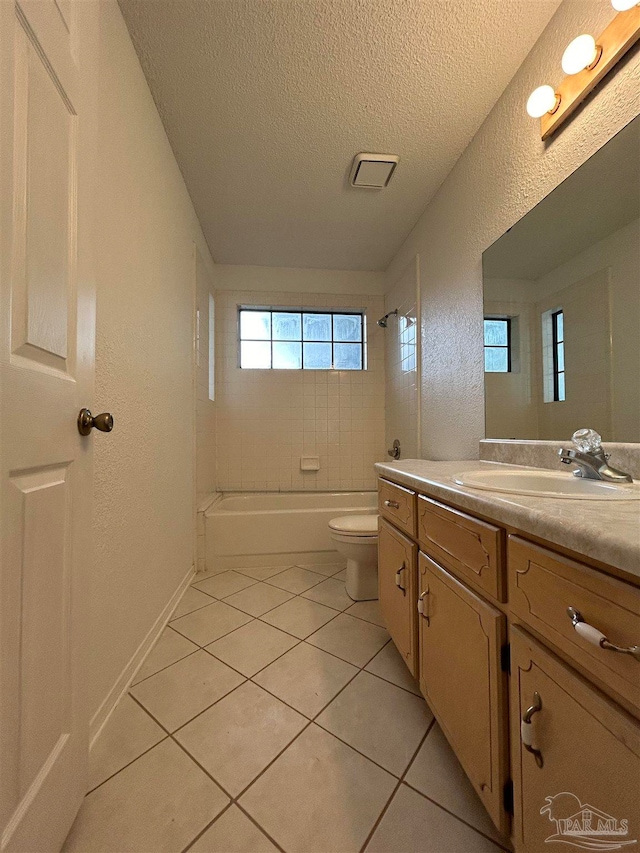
point(210, 623)
point(128, 733)
point(388, 664)
point(175, 695)
point(233, 832)
point(412, 824)
point(331, 593)
point(259, 598)
point(170, 647)
point(300, 616)
point(236, 738)
point(341, 575)
point(326, 569)
point(263, 572)
point(350, 639)
point(159, 803)
point(437, 773)
point(207, 573)
point(367, 610)
point(306, 678)
point(192, 600)
point(220, 586)
point(252, 647)
point(319, 796)
point(380, 720)
point(296, 580)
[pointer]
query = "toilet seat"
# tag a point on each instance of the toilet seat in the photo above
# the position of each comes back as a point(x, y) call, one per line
point(355, 525)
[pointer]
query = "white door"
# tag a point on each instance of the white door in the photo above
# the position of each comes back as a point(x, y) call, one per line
point(46, 374)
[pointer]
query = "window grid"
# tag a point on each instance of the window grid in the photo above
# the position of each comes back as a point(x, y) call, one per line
point(557, 332)
point(302, 339)
point(506, 321)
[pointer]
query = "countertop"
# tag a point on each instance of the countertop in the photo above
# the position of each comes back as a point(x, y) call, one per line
point(608, 532)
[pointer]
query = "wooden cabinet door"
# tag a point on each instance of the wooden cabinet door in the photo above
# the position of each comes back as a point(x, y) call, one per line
point(461, 637)
point(585, 794)
point(397, 590)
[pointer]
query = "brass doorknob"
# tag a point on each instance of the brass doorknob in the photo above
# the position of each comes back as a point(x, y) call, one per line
point(86, 422)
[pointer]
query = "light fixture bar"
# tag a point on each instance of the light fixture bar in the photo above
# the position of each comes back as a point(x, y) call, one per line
point(621, 34)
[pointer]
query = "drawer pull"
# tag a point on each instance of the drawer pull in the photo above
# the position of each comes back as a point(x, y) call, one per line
point(399, 579)
point(597, 638)
point(422, 606)
point(392, 504)
point(526, 729)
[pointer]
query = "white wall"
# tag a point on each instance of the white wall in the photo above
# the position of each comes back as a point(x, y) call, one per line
point(292, 280)
point(505, 171)
point(144, 484)
point(267, 419)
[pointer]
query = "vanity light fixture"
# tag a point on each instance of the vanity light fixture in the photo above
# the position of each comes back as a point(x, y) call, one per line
point(585, 62)
point(542, 100)
point(581, 53)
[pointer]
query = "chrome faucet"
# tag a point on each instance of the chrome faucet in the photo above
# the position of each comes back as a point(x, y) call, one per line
point(588, 454)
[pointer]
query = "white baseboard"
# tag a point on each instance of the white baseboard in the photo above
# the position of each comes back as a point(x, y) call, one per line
point(135, 662)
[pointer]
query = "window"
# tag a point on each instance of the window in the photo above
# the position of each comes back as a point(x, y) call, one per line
point(301, 340)
point(557, 332)
point(497, 345)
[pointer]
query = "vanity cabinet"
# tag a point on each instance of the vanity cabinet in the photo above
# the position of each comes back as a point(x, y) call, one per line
point(544, 718)
point(586, 764)
point(461, 640)
point(397, 581)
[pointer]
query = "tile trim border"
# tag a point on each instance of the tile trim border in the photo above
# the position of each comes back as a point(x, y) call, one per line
point(124, 680)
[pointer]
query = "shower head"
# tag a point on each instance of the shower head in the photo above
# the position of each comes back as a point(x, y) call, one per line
point(382, 322)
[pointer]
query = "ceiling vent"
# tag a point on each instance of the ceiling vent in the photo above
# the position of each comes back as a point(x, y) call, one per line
point(373, 171)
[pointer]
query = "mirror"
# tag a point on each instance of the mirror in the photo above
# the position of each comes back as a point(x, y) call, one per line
point(562, 307)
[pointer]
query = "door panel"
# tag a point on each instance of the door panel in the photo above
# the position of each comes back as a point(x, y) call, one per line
point(46, 375)
point(397, 572)
point(590, 751)
point(461, 637)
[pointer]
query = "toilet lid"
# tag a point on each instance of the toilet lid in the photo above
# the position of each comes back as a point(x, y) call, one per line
point(356, 525)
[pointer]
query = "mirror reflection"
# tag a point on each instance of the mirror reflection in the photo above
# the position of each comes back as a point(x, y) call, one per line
point(562, 307)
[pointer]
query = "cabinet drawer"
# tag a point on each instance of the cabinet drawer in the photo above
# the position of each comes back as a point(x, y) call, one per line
point(543, 585)
point(471, 548)
point(460, 642)
point(398, 505)
point(397, 589)
point(588, 763)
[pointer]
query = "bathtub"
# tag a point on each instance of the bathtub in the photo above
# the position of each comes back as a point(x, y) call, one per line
point(277, 529)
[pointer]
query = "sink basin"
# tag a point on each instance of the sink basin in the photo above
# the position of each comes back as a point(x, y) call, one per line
point(550, 484)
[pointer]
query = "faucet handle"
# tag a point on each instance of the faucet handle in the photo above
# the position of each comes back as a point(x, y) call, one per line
point(587, 440)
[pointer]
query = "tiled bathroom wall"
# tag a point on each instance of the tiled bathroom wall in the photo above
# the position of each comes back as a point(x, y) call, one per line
point(402, 363)
point(266, 420)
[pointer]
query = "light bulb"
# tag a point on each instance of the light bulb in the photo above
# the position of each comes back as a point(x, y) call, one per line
point(542, 100)
point(623, 5)
point(581, 53)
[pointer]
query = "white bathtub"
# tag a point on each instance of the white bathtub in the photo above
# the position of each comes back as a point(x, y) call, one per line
point(248, 530)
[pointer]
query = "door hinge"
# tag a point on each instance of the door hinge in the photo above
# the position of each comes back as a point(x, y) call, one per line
point(505, 658)
point(507, 796)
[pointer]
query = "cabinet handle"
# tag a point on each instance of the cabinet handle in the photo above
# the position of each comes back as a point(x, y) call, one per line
point(399, 579)
point(422, 606)
point(526, 729)
point(597, 638)
point(392, 504)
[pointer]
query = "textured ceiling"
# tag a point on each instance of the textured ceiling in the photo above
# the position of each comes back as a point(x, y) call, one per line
point(266, 102)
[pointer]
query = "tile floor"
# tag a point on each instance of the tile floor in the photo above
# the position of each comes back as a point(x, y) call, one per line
point(275, 714)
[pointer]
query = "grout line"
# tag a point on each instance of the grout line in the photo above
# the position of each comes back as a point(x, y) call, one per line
point(210, 824)
point(262, 830)
point(396, 789)
point(147, 677)
point(499, 844)
point(129, 763)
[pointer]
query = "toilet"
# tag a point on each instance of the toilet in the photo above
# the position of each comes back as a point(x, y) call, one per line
point(356, 538)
